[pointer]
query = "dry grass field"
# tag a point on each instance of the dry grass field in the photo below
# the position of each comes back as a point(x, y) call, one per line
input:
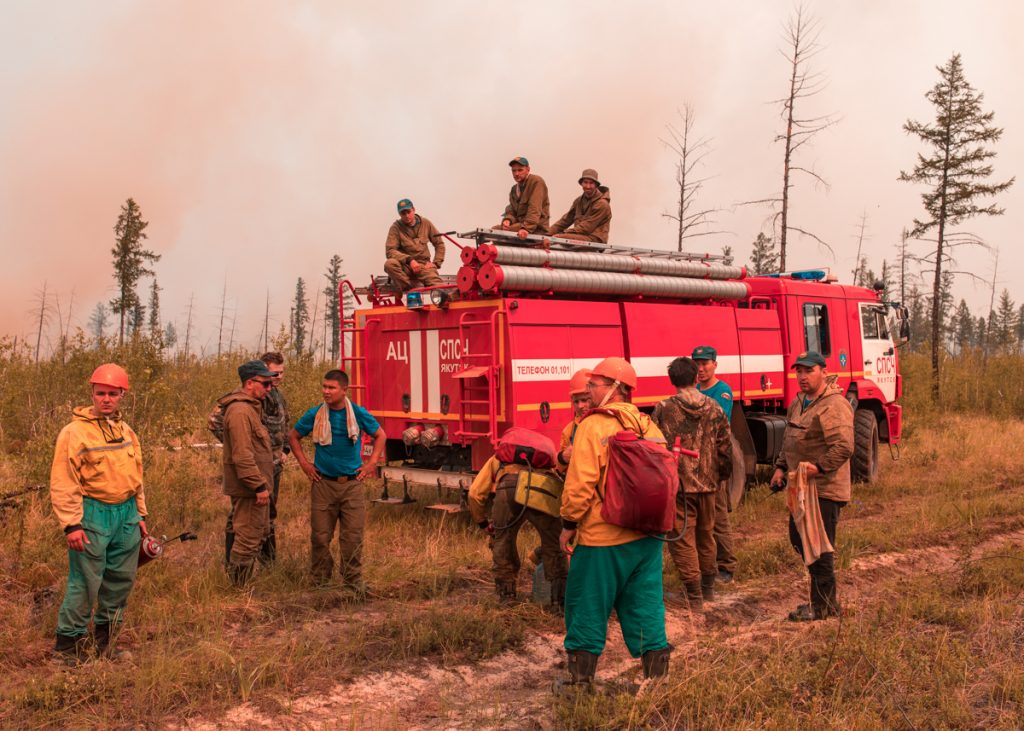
point(931, 574)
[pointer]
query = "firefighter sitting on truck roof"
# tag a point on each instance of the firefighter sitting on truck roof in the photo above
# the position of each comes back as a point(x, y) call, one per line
point(528, 210)
point(698, 422)
point(408, 250)
point(501, 480)
point(819, 434)
point(706, 358)
point(590, 216)
point(612, 567)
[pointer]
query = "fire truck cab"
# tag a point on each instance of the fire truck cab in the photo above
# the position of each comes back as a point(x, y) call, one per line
point(447, 370)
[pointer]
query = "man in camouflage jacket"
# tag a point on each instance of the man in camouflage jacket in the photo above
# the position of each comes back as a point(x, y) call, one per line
point(699, 423)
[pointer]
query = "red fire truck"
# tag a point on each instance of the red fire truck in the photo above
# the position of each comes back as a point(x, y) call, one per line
point(446, 370)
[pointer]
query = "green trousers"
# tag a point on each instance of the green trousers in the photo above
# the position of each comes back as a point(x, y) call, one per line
point(626, 578)
point(104, 573)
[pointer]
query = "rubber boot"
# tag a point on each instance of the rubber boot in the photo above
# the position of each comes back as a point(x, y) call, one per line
point(71, 649)
point(582, 667)
point(240, 575)
point(229, 541)
point(506, 590)
point(268, 550)
point(557, 605)
point(655, 662)
point(694, 596)
point(707, 587)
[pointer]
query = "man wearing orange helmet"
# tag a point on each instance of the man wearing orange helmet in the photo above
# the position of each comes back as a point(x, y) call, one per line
point(612, 567)
point(97, 495)
point(579, 397)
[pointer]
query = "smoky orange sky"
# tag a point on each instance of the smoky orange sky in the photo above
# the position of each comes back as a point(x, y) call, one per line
point(261, 138)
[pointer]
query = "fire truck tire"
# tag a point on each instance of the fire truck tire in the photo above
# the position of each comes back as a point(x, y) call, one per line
point(864, 464)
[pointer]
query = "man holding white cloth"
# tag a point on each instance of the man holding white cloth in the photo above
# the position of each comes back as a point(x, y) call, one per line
point(337, 473)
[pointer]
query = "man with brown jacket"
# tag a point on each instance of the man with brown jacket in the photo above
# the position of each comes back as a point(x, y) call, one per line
point(408, 250)
point(590, 215)
point(528, 210)
point(819, 431)
point(699, 424)
point(248, 466)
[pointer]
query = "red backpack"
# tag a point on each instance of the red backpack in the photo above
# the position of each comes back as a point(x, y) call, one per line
point(642, 480)
point(525, 447)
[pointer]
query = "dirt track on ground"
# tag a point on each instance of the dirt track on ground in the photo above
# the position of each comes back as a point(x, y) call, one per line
point(513, 690)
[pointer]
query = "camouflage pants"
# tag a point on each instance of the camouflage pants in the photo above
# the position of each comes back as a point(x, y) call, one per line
point(505, 553)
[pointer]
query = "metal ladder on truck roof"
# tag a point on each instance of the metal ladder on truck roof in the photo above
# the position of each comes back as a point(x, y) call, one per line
point(511, 238)
point(358, 372)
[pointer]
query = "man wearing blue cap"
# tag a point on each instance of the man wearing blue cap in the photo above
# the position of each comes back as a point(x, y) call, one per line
point(528, 210)
point(248, 466)
point(408, 250)
point(708, 384)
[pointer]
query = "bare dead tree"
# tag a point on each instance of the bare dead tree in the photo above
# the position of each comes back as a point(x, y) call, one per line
point(188, 325)
point(266, 324)
point(991, 308)
point(690, 153)
point(220, 327)
point(857, 268)
point(801, 36)
point(312, 329)
point(42, 319)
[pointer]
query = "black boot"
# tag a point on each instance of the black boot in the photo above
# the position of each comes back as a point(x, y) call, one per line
point(71, 649)
point(694, 596)
point(101, 636)
point(707, 587)
point(229, 541)
point(655, 662)
point(268, 550)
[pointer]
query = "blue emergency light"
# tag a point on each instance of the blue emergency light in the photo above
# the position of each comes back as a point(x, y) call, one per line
point(808, 275)
point(414, 300)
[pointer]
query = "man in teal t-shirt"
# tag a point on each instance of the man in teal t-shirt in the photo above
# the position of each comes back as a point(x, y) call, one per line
point(707, 363)
point(337, 473)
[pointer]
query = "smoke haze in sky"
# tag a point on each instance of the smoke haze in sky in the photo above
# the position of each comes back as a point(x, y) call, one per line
point(261, 138)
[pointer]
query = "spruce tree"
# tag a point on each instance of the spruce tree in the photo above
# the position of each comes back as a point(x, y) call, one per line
point(955, 168)
point(299, 317)
point(764, 259)
point(332, 313)
point(962, 328)
point(1004, 326)
point(130, 263)
point(98, 321)
point(155, 331)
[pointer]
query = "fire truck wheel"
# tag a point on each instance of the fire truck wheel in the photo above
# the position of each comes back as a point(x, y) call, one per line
point(864, 464)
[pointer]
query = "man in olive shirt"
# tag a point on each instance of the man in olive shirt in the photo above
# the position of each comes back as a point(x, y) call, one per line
point(708, 384)
point(819, 431)
point(528, 210)
point(590, 216)
point(408, 250)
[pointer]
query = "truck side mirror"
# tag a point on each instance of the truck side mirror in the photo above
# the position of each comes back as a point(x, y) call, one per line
point(900, 325)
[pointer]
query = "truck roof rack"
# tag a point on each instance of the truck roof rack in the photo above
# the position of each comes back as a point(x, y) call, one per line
point(511, 238)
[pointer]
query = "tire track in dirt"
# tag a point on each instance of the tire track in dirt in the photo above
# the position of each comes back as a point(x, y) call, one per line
point(512, 690)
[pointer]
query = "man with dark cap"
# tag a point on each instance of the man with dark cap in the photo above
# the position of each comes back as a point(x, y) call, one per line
point(590, 215)
point(819, 434)
point(706, 358)
point(248, 466)
point(528, 210)
point(408, 250)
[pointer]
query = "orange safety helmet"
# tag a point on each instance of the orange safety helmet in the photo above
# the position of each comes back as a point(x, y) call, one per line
point(617, 369)
point(110, 374)
point(578, 382)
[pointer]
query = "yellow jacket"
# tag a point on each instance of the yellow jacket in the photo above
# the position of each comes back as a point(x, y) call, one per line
point(484, 485)
point(568, 434)
point(97, 458)
point(584, 481)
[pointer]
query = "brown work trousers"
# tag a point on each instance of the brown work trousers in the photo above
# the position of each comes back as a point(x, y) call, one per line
point(507, 512)
point(694, 554)
point(251, 523)
point(723, 530)
point(340, 502)
point(403, 276)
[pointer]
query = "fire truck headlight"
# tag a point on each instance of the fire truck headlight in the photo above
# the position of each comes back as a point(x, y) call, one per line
point(439, 297)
